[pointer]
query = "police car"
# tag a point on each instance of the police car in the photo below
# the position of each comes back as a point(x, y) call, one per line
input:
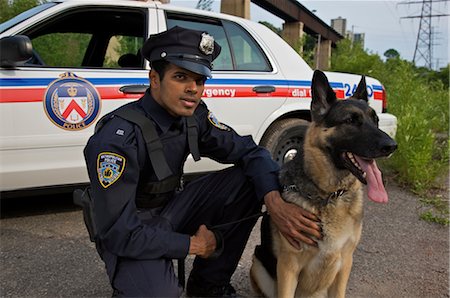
point(64, 64)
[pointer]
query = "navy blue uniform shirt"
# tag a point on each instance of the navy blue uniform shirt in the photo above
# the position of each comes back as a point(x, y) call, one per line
point(118, 165)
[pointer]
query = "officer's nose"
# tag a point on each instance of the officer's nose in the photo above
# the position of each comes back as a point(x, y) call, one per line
point(191, 87)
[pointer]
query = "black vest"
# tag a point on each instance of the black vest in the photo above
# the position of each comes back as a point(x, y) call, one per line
point(156, 193)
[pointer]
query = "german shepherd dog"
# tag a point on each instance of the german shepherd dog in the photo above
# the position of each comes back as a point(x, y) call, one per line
point(326, 179)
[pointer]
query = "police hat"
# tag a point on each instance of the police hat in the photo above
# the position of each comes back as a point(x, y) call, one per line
point(186, 48)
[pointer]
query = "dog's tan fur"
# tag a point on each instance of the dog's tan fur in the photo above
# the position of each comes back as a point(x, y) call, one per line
point(322, 271)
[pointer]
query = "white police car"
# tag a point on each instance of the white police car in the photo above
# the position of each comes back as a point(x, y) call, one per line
point(84, 61)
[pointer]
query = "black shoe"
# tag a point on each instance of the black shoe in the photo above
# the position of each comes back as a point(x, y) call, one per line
point(196, 288)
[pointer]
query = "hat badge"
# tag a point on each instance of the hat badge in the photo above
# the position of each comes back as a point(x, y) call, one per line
point(206, 44)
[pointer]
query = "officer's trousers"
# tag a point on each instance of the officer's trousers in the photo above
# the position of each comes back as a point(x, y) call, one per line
point(214, 199)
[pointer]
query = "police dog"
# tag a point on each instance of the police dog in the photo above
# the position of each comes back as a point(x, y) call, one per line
point(326, 179)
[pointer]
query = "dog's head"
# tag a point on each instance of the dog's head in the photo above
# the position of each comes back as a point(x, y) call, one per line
point(353, 138)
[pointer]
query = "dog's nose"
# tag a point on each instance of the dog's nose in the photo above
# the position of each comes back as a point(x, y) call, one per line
point(389, 147)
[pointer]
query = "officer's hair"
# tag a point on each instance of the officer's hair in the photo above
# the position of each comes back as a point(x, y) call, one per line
point(160, 66)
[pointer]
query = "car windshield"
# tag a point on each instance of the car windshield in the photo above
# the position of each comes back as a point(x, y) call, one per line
point(24, 15)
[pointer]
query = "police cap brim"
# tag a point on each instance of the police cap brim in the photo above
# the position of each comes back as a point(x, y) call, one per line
point(191, 66)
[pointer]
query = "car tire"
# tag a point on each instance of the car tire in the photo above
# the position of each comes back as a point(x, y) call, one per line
point(284, 139)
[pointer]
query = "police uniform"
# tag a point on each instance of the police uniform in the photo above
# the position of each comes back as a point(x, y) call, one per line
point(137, 239)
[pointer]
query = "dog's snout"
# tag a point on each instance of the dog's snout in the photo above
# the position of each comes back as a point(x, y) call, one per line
point(389, 147)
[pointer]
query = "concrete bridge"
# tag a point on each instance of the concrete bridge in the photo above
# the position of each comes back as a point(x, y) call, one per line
point(298, 20)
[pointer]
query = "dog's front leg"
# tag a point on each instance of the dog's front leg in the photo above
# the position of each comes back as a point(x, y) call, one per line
point(288, 269)
point(290, 262)
point(339, 285)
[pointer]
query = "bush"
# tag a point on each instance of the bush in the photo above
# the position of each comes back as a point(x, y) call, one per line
point(421, 104)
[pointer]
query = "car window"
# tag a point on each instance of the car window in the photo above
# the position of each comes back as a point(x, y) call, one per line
point(239, 49)
point(124, 51)
point(48, 49)
point(248, 55)
point(106, 38)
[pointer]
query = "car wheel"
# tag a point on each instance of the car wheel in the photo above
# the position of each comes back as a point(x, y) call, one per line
point(284, 139)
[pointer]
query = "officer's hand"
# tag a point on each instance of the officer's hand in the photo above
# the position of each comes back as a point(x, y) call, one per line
point(203, 243)
point(294, 223)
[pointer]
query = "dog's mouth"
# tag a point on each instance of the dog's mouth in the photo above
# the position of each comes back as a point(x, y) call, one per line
point(366, 170)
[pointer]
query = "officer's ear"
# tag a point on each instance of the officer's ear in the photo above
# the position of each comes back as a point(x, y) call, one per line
point(154, 78)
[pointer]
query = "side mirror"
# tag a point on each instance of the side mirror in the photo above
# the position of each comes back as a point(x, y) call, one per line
point(15, 49)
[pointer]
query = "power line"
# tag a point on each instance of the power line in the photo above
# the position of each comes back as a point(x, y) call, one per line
point(420, 2)
point(423, 49)
point(431, 15)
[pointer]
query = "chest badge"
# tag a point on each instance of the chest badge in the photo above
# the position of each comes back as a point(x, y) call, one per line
point(110, 167)
point(71, 102)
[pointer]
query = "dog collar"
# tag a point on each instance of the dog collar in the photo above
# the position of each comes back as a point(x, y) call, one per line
point(336, 194)
point(332, 196)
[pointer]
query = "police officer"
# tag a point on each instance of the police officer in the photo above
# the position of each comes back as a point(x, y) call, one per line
point(144, 218)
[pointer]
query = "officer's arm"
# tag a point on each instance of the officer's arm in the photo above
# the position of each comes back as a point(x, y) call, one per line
point(113, 167)
point(223, 144)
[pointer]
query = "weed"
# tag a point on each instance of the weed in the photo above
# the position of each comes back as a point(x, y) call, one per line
point(438, 213)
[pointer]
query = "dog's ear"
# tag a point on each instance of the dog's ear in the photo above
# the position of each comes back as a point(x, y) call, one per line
point(361, 90)
point(322, 96)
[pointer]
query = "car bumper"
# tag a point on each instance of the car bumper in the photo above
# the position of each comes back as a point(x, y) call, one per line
point(388, 124)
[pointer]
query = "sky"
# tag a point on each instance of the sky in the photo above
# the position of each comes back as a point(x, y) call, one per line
point(381, 21)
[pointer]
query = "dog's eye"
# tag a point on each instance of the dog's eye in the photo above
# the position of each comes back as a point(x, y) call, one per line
point(352, 119)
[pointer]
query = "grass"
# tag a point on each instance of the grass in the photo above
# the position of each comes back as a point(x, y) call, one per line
point(437, 210)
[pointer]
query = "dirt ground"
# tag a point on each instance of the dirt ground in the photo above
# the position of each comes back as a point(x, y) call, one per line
point(399, 255)
point(45, 252)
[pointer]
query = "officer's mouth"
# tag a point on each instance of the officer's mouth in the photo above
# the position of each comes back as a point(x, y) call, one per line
point(189, 102)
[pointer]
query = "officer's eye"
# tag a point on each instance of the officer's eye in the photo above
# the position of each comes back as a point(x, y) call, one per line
point(180, 77)
point(201, 81)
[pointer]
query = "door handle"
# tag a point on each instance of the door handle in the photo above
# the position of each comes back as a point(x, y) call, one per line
point(264, 89)
point(133, 89)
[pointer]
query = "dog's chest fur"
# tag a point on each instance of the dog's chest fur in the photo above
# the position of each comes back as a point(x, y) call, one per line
point(340, 212)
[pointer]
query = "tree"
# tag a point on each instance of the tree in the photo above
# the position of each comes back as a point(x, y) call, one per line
point(444, 75)
point(352, 58)
point(391, 54)
point(271, 27)
point(9, 9)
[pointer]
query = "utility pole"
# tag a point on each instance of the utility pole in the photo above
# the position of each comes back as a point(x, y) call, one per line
point(424, 42)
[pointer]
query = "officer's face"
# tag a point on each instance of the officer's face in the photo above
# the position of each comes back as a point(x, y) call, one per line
point(180, 90)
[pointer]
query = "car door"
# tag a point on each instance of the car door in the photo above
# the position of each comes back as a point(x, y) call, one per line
point(83, 56)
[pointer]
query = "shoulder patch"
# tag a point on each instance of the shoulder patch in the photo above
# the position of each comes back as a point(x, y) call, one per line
point(213, 120)
point(110, 167)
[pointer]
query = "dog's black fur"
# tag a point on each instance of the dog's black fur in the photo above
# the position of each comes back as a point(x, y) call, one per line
point(325, 178)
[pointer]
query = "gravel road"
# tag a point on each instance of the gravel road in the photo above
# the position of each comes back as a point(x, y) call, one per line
point(45, 252)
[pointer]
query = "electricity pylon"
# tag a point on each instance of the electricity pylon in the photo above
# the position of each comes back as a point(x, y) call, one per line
point(204, 4)
point(424, 42)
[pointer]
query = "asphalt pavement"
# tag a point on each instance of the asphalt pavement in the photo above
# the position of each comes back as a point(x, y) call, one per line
point(45, 252)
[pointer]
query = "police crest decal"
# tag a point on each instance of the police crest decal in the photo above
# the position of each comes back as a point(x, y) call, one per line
point(110, 167)
point(71, 102)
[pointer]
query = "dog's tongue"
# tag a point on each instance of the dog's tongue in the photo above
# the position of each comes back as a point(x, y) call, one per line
point(375, 188)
